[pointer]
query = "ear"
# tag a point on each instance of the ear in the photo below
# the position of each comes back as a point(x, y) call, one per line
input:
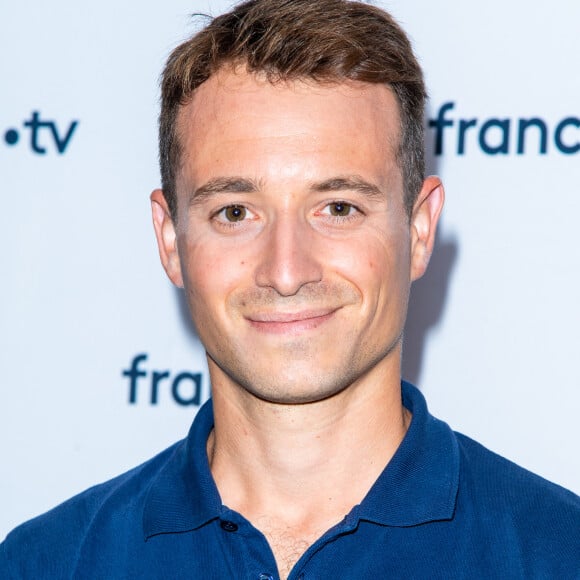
point(166, 237)
point(424, 220)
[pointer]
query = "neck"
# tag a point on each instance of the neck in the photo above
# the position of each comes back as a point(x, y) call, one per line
point(306, 465)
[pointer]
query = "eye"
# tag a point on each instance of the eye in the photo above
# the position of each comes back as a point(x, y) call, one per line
point(233, 213)
point(339, 209)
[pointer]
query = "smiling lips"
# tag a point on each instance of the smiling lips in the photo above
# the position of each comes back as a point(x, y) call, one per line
point(290, 322)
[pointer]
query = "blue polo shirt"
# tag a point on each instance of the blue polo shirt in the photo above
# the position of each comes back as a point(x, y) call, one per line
point(444, 507)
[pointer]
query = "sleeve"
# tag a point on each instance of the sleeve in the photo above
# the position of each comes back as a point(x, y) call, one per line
point(5, 568)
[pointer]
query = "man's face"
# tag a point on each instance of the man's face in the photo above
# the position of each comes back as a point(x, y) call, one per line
point(291, 241)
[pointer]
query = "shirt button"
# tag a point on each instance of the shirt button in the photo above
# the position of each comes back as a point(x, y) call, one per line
point(228, 526)
point(265, 576)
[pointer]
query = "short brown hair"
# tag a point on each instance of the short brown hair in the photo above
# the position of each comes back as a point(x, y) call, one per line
point(321, 40)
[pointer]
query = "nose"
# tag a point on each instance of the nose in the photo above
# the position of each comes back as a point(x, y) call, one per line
point(289, 259)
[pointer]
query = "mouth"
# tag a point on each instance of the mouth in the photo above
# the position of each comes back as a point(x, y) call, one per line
point(290, 322)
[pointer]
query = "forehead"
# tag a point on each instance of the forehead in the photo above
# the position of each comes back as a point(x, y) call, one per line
point(237, 119)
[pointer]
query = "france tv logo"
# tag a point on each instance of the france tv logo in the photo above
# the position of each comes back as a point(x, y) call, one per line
point(42, 135)
point(148, 386)
point(503, 136)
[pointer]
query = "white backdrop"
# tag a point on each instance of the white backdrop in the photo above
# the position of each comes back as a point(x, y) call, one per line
point(492, 338)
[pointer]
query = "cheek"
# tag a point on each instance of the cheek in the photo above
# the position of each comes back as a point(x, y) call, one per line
point(375, 259)
point(379, 269)
point(211, 275)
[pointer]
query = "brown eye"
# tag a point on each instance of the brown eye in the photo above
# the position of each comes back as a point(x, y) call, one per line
point(340, 209)
point(235, 213)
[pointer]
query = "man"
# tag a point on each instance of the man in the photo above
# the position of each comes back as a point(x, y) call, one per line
point(295, 215)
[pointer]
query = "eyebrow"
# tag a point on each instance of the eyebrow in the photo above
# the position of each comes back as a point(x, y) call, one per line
point(222, 185)
point(348, 183)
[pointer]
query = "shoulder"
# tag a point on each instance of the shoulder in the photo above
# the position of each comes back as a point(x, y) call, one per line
point(47, 541)
point(523, 510)
point(497, 477)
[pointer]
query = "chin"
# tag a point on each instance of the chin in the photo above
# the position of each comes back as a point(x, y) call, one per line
point(296, 389)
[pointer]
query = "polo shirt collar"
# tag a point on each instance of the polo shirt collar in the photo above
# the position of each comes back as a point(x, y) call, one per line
point(183, 496)
point(420, 482)
point(418, 485)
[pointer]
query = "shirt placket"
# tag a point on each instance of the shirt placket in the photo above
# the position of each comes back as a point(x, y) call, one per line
point(248, 553)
